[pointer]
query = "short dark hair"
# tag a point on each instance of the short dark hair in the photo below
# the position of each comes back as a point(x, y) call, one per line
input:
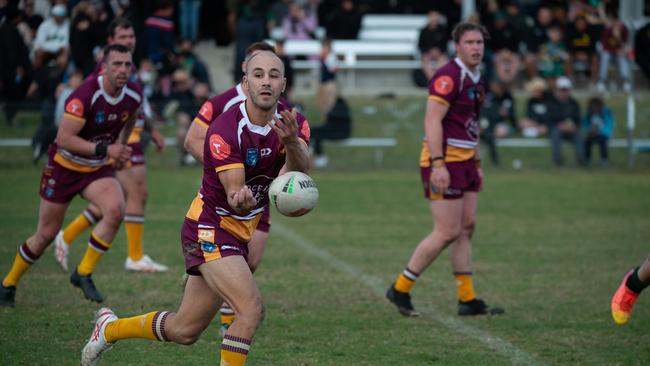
point(259, 46)
point(114, 47)
point(118, 22)
point(463, 27)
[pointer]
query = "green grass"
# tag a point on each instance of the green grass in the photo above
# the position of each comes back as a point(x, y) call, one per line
point(551, 247)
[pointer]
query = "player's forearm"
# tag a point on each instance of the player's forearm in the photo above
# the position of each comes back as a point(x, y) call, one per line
point(76, 144)
point(433, 132)
point(297, 157)
point(194, 141)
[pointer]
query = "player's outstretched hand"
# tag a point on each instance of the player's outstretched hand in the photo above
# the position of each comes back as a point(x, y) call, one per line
point(158, 140)
point(243, 200)
point(287, 126)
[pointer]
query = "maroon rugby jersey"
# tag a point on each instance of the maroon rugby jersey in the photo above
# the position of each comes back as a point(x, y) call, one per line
point(463, 91)
point(235, 142)
point(216, 105)
point(102, 116)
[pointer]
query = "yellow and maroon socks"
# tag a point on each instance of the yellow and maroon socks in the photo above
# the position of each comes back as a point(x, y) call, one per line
point(465, 286)
point(146, 326)
point(96, 248)
point(82, 222)
point(234, 350)
point(23, 261)
point(134, 225)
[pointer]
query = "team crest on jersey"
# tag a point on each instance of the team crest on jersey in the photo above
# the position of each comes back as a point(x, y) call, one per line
point(75, 107)
point(208, 247)
point(100, 117)
point(124, 116)
point(252, 157)
point(219, 148)
point(443, 85)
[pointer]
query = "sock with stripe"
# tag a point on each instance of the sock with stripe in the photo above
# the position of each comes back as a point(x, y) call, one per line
point(147, 326)
point(405, 281)
point(85, 220)
point(465, 286)
point(227, 315)
point(96, 248)
point(23, 261)
point(234, 350)
point(134, 225)
point(634, 283)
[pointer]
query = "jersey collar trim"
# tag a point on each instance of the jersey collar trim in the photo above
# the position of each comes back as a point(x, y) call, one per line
point(260, 130)
point(475, 76)
point(108, 98)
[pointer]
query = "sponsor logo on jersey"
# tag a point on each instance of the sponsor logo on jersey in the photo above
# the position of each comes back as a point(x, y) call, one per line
point(265, 151)
point(443, 85)
point(112, 117)
point(252, 157)
point(206, 235)
point(100, 117)
point(219, 148)
point(51, 182)
point(206, 111)
point(75, 107)
point(305, 130)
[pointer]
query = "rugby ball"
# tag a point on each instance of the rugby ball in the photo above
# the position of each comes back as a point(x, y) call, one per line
point(293, 194)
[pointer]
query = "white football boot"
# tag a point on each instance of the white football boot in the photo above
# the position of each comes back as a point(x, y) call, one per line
point(97, 344)
point(145, 264)
point(61, 249)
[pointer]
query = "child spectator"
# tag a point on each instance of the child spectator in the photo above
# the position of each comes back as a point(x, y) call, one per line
point(599, 126)
point(553, 54)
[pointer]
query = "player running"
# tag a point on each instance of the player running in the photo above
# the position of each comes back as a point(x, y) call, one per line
point(628, 292)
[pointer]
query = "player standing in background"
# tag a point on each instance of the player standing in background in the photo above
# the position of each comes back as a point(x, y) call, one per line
point(194, 143)
point(95, 114)
point(629, 290)
point(132, 177)
point(245, 148)
point(451, 172)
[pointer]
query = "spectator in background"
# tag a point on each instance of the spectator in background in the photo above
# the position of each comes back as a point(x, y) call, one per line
point(553, 54)
point(504, 42)
point(598, 124)
point(288, 69)
point(336, 126)
point(537, 35)
point(328, 88)
point(190, 62)
point(190, 98)
point(160, 33)
point(32, 18)
point(344, 22)
point(299, 24)
point(432, 44)
point(536, 121)
point(582, 49)
point(84, 36)
point(250, 28)
point(189, 19)
point(642, 49)
point(614, 40)
point(565, 122)
point(52, 39)
point(278, 11)
point(498, 116)
point(15, 66)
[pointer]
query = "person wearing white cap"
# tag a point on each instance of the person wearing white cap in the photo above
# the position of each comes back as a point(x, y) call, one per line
point(52, 39)
point(564, 118)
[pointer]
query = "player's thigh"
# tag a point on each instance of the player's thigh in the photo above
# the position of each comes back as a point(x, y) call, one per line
point(133, 180)
point(231, 278)
point(106, 193)
point(199, 306)
point(256, 248)
point(447, 215)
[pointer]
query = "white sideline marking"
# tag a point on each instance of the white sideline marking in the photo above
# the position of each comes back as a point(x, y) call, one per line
point(378, 286)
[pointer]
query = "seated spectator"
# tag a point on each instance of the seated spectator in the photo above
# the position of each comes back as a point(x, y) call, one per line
point(598, 124)
point(553, 54)
point(432, 44)
point(337, 126)
point(344, 22)
point(498, 116)
point(582, 49)
point(190, 62)
point(328, 90)
point(299, 24)
point(536, 36)
point(614, 46)
point(642, 49)
point(504, 42)
point(52, 39)
point(535, 123)
point(564, 118)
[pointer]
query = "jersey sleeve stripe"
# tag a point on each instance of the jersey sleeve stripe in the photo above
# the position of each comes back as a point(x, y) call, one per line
point(229, 166)
point(438, 99)
point(198, 120)
point(72, 116)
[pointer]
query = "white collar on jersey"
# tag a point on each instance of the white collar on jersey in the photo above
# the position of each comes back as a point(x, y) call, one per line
point(109, 99)
point(260, 130)
point(240, 90)
point(474, 75)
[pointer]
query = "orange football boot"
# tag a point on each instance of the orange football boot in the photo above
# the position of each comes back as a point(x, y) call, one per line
point(623, 301)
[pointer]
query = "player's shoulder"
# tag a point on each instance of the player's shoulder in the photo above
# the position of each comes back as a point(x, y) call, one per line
point(450, 69)
point(134, 90)
point(228, 120)
point(86, 89)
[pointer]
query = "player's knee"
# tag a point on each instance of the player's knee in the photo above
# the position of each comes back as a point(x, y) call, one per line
point(449, 234)
point(114, 212)
point(469, 225)
point(253, 315)
point(187, 336)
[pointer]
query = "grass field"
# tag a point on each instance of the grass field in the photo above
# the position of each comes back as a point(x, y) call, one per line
point(551, 247)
